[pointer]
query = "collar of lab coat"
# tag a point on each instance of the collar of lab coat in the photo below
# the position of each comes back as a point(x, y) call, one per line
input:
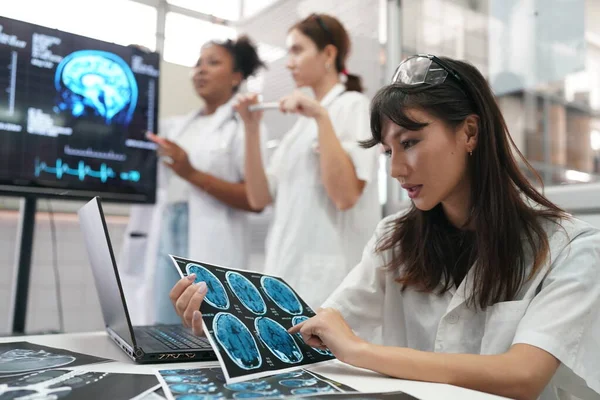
point(333, 93)
point(222, 115)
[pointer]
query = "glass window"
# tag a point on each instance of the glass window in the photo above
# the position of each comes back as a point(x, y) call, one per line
point(184, 36)
point(119, 21)
point(225, 9)
point(543, 63)
point(252, 7)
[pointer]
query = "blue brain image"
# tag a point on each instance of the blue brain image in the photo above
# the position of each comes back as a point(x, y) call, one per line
point(278, 340)
point(185, 379)
point(249, 385)
point(302, 318)
point(273, 394)
point(282, 295)
point(237, 341)
point(216, 396)
point(289, 375)
point(216, 295)
point(169, 372)
point(247, 293)
point(313, 390)
point(97, 83)
point(193, 388)
point(297, 383)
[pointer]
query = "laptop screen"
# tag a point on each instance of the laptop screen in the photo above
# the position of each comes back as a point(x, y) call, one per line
point(104, 268)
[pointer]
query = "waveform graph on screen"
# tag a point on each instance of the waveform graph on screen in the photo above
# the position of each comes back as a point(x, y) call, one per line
point(98, 82)
point(59, 169)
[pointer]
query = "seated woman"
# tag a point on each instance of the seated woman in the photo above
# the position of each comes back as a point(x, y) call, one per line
point(483, 283)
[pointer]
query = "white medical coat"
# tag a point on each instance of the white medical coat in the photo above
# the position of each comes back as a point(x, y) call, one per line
point(312, 244)
point(558, 310)
point(218, 234)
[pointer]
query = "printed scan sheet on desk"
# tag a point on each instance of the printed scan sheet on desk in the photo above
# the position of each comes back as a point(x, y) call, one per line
point(209, 383)
point(246, 316)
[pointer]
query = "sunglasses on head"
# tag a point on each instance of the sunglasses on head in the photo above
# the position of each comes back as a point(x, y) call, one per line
point(424, 69)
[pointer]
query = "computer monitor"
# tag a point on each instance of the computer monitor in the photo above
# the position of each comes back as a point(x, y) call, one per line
point(74, 112)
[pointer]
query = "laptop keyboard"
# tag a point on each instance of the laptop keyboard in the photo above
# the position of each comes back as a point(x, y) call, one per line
point(178, 339)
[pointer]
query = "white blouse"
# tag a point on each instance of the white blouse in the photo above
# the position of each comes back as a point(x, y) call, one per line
point(309, 237)
point(558, 310)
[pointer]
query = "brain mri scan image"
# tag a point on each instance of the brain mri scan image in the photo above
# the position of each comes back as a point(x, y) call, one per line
point(278, 340)
point(313, 390)
point(57, 384)
point(194, 388)
point(216, 295)
point(185, 379)
point(246, 292)
point(290, 375)
point(273, 394)
point(25, 360)
point(237, 341)
point(93, 82)
point(249, 386)
point(297, 383)
point(282, 295)
point(302, 318)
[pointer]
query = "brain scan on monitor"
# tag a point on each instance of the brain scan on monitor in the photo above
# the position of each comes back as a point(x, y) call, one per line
point(278, 340)
point(246, 292)
point(237, 341)
point(282, 295)
point(216, 295)
point(98, 83)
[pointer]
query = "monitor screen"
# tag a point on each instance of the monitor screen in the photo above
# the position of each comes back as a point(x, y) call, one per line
point(74, 113)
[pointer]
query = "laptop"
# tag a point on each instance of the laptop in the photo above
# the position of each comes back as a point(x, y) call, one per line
point(143, 344)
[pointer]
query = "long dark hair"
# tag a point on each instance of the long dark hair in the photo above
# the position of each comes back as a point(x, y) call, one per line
point(324, 29)
point(508, 212)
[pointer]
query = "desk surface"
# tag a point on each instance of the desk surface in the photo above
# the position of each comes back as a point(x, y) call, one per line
point(99, 344)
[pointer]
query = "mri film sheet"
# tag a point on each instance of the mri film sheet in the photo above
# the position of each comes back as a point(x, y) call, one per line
point(62, 383)
point(21, 358)
point(246, 318)
point(210, 383)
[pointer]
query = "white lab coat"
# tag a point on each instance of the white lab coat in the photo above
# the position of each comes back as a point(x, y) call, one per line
point(218, 234)
point(558, 310)
point(312, 244)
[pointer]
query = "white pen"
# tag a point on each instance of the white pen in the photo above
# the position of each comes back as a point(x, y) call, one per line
point(264, 106)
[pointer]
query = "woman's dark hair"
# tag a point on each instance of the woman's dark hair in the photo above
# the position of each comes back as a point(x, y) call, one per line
point(508, 213)
point(245, 56)
point(323, 30)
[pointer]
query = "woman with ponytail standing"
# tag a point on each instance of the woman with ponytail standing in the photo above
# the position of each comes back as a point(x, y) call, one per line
point(322, 184)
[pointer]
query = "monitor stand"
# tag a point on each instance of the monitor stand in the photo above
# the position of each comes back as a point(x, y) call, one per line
point(21, 276)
